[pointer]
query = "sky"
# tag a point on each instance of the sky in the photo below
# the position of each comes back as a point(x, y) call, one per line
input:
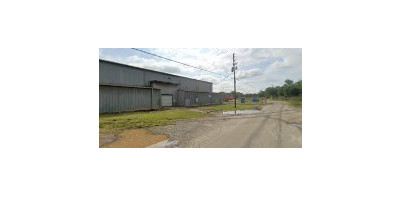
point(258, 68)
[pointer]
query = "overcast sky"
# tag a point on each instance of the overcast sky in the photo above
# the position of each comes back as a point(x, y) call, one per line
point(258, 67)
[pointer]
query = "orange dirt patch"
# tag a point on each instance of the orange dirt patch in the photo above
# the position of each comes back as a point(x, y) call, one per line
point(136, 138)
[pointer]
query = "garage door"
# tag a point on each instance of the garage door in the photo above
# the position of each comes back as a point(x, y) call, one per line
point(166, 100)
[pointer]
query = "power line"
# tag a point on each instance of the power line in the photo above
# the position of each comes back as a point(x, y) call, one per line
point(177, 61)
point(243, 81)
point(182, 52)
point(191, 66)
point(239, 72)
point(227, 77)
point(230, 77)
point(192, 56)
point(236, 63)
point(246, 83)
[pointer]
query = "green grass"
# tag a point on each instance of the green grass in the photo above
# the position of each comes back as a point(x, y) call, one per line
point(118, 122)
point(295, 102)
point(230, 107)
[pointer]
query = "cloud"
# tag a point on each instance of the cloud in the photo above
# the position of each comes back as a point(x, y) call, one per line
point(259, 67)
point(287, 64)
point(249, 73)
point(216, 60)
point(209, 78)
point(153, 64)
point(287, 58)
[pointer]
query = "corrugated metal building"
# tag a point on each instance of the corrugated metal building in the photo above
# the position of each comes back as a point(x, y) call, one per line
point(128, 88)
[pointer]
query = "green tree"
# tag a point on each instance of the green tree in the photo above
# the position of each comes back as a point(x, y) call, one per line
point(271, 92)
point(288, 89)
point(288, 82)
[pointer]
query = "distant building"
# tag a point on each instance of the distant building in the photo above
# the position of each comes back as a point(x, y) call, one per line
point(127, 88)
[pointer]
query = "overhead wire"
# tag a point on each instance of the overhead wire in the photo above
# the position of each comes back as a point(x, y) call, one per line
point(225, 76)
point(177, 61)
point(192, 56)
point(237, 73)
point(223, 79)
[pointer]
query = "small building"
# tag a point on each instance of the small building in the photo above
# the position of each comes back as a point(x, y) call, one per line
point(128, 88)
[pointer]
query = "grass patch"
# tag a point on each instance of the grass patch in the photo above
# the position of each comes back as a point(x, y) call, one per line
point(230, 107)
point(295, 102)
point(117, 122)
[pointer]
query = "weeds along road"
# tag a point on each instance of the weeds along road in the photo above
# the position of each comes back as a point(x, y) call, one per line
point(278, 125)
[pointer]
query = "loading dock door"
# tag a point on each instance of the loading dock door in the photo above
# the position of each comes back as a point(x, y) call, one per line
point(166, 100)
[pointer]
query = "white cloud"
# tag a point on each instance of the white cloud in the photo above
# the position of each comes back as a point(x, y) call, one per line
point(209, 78)
point(287, 65)
point(153, 64)
point(257, 66)
point(249, 73)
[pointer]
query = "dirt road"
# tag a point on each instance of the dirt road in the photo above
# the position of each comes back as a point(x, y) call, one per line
point(277, 125)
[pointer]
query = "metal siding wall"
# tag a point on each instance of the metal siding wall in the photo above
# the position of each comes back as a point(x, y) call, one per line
point(216, 98)
point(204, 87)
point(180, 98)
point(194, 85)
point(156, 99)
point(203, 97)
point(183, 95)
point(120, 99)
point(151, 76)
point(168, 89)
point(110, 73)
point(192, 96)
point(120, 75)
point(188, 84)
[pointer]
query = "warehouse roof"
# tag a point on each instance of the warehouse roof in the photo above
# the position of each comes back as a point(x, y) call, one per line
point(100, 60)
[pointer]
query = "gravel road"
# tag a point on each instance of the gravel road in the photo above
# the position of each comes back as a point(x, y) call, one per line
point(277, 125)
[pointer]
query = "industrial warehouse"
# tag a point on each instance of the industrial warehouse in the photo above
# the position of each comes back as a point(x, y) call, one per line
point(128, 88)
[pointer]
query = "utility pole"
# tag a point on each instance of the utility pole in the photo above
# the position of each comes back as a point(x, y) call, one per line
point(234, 68)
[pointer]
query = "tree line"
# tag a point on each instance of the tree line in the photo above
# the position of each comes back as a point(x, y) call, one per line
point(288, 90)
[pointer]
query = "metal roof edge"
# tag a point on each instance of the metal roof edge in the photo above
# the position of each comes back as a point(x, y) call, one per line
point(126, 86)
point(101, 60)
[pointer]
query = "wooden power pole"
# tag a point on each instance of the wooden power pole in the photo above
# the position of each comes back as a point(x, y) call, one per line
point(234, 68)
